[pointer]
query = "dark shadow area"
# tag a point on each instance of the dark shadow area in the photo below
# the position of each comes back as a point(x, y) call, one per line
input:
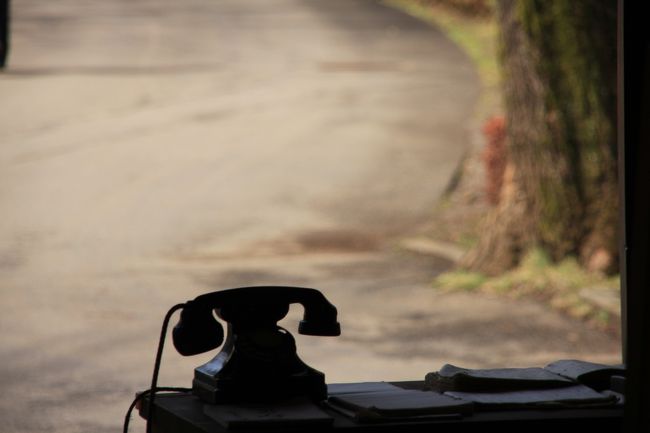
point(119, 70)
point(4, 32)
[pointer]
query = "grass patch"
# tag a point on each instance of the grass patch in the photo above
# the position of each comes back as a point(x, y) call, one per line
point(558, 284)
point(460, 280)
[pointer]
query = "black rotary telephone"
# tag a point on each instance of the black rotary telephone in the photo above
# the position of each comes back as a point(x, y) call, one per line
point(258, 361)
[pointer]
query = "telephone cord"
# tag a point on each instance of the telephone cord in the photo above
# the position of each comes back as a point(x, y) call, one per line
point(154, 379)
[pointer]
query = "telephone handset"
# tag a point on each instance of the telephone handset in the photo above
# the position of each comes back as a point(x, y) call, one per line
point(258, 360)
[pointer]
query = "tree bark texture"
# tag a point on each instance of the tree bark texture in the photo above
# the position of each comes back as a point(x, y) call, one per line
point(560, 191)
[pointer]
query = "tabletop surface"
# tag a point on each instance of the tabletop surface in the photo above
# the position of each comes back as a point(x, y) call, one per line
point(185, 413)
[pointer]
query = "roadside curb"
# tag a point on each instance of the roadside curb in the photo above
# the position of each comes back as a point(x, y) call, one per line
point(430, 247)
point(605, 298)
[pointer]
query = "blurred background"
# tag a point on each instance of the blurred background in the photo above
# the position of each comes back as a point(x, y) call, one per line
point(422, 163)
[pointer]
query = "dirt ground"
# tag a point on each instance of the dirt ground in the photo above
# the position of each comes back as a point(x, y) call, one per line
point(152, 151)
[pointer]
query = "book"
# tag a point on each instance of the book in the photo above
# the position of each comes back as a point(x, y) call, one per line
point(565, 397)
point(597, 376)
point(564, 383)
point(453, 378)
point(337, 389)
point(388, 402)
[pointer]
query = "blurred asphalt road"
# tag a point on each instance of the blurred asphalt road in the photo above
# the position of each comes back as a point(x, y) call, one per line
point(154, 150)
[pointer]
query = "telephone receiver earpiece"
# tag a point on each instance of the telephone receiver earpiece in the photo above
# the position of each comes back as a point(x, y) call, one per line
point(197, 331)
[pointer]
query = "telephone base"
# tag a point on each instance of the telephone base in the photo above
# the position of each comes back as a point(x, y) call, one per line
point(220, 390)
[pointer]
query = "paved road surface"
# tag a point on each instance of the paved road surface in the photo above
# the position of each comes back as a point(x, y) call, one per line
point(154, 150)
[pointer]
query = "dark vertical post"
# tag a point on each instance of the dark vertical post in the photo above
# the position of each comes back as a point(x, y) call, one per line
point(634, 133)
point(620, 126)
point(4, 32)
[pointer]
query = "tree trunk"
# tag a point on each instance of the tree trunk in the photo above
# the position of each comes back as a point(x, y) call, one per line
point(559, 73)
